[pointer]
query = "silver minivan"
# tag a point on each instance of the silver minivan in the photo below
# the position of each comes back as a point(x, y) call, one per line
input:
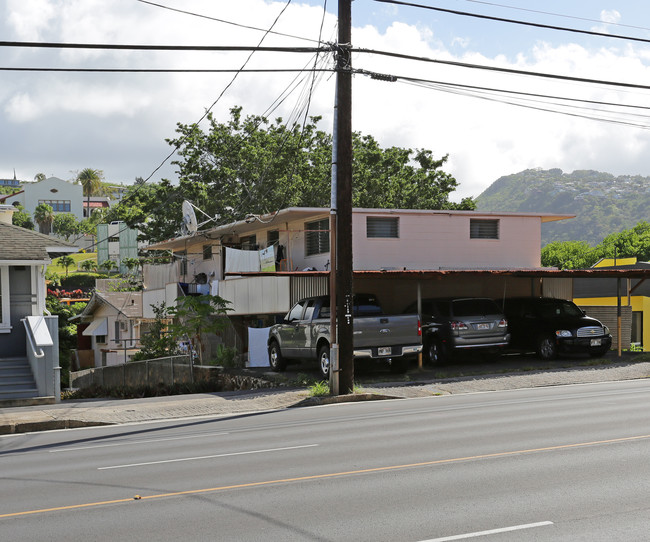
point(470, 324)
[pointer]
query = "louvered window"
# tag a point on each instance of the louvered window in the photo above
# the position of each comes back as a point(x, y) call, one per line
point(483, 229)
point(382, 227)
point(317, 237)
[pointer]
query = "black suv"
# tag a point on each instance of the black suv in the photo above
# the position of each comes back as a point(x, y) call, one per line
point(548, 326)
point(469, 324)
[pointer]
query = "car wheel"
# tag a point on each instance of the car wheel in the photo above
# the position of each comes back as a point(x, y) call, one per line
point(546, 347)
point(324, 361)
point(434, 353)
point(399, 366)
point(276, 361)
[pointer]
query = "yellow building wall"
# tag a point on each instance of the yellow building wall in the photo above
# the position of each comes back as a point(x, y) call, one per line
point(639, 304)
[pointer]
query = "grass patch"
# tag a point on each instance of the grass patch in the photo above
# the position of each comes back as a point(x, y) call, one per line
point(78, 258)
point(319, 389)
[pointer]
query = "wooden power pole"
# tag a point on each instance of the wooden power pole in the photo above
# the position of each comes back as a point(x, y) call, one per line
point(343, 248)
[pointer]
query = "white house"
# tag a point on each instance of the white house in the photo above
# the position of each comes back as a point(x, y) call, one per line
point(62, 196)
point(112, 321)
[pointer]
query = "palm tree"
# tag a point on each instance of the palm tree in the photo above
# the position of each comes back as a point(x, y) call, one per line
point(66, 261)
point(44, 216)
point(89, 265)
point(39, 177)
point(91, 180)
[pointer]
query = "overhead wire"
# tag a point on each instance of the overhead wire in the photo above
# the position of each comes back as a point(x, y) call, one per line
point(514, 21)
point(207, 111)
point(574, 17)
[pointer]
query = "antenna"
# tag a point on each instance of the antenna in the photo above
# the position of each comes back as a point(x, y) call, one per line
point(190, 223)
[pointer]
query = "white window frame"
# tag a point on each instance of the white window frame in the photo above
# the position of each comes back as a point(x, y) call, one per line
point(5, 302)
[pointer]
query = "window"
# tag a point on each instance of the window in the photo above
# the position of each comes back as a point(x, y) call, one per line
point(5, 321)
point(272, 237)
point(317, 237)
point(296, 311)
point(58, 205)
point(248, 242)
point(483, 229)
point(100, 339)
point(207, 252)
point(382, 227)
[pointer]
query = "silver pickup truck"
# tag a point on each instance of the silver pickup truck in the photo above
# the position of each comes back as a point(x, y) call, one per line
point(304, 334)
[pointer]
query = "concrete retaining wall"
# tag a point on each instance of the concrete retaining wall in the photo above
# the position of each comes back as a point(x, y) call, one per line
point(167, 372)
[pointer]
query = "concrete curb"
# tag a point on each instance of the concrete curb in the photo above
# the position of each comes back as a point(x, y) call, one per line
point(351, 398)
point(49, 425)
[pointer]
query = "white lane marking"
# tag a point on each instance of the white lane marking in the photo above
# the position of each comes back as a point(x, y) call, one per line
point(127, 442)
point(492, 531)
point(207, 457)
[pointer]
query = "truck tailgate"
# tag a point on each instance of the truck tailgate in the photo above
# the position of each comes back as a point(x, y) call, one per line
point(386, 330)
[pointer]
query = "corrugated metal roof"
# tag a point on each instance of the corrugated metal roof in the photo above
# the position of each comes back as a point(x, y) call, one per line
point(424, 274)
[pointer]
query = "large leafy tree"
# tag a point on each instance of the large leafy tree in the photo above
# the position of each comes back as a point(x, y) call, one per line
point(22, 218)
point(634, 242)
point(255, 165)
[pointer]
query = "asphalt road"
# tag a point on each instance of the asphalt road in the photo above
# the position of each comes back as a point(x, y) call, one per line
point(560, 463)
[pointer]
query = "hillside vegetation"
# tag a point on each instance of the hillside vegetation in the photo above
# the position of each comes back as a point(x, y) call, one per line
point(603, 204)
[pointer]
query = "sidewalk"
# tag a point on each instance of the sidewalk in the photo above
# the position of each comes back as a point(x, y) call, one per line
point(90, 412)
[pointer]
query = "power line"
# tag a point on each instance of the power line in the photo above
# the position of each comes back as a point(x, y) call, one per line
point(224, 21)
point(167, 70)
point(504, 70)
point(524, 99)
point(514, 21)
point(154, 47)
point(557, 14)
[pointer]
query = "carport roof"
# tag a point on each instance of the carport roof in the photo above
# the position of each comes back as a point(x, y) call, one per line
point(424, 274)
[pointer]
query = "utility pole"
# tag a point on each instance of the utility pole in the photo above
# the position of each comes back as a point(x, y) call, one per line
point(344, 304)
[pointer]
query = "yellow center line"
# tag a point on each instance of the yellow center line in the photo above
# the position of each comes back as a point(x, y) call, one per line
point(328, 475)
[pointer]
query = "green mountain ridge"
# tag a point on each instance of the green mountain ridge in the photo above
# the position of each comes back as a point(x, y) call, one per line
point(603, 203)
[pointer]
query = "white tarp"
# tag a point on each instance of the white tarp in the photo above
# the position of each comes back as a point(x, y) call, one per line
point(241, 261)
point(257, 352)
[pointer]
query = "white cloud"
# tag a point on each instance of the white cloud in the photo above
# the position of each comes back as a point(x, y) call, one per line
point(118, 122)
point(610, 16)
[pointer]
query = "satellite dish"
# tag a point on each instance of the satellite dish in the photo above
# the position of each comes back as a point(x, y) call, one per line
point(190, 224)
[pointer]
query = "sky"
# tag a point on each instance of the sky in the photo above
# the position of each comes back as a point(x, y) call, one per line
point(59, 123)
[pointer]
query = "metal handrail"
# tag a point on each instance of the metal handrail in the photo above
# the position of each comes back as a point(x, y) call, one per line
point(31, 339)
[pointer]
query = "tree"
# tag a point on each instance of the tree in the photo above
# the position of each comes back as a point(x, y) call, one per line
point(196, 315)
point(89, 265)
point(22, 218)
point(260, 166)
point(44, 216)
point(66, 225)
point(39, 177)
point(66, 261)
point(108, 266)
point(91, 180)
point(158, 342)
point(131, 264)
point(634, 242)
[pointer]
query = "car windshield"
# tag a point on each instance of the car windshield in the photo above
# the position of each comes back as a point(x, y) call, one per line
point(559, 309)
point(474, 307)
